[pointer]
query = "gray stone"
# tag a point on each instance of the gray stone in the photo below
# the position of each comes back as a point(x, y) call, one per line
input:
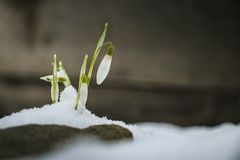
point(37, 139)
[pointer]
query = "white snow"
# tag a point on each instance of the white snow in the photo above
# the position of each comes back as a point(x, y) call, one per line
point(62, 113)
point(152, 141)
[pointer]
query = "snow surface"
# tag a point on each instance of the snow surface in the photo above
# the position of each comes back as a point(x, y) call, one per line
point(152, 141)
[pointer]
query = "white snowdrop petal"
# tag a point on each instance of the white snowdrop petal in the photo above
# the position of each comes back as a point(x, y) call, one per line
point(83, 95)
point(52, 94)
point(104, 69)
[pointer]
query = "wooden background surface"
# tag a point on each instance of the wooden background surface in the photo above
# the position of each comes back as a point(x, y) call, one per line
point(175, 61)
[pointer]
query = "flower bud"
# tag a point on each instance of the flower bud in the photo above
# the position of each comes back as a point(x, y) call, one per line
point(104, 68)
point(83, 95)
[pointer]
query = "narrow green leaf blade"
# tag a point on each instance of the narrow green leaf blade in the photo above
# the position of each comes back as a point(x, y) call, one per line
point(55, 79)
point(101, 39)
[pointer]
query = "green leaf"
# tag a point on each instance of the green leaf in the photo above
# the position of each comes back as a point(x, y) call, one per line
point(101, 39)
point(55, 79)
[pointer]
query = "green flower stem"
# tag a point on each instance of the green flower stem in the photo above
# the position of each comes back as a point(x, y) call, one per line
point(105, 44)
point(82, 78)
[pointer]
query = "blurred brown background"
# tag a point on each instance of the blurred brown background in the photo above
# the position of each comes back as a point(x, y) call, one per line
point(175, 61)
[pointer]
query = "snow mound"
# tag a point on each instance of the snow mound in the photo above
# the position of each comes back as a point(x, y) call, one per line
point(152, 141)
point(62, 113)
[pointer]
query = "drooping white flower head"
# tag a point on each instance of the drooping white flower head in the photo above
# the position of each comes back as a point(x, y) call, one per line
point(83, 95)
point(104, 68)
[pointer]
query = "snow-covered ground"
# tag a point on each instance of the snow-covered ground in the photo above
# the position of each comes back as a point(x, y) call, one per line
point(152, 141)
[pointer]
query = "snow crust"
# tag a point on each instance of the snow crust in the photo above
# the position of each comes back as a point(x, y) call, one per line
point(152, 141)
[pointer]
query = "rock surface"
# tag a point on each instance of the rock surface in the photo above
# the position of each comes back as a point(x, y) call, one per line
point(36, 139)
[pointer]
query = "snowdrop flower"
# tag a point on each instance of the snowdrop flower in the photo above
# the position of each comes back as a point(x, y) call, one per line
point(104, 66)
point(84, 80)
point(60, 75)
